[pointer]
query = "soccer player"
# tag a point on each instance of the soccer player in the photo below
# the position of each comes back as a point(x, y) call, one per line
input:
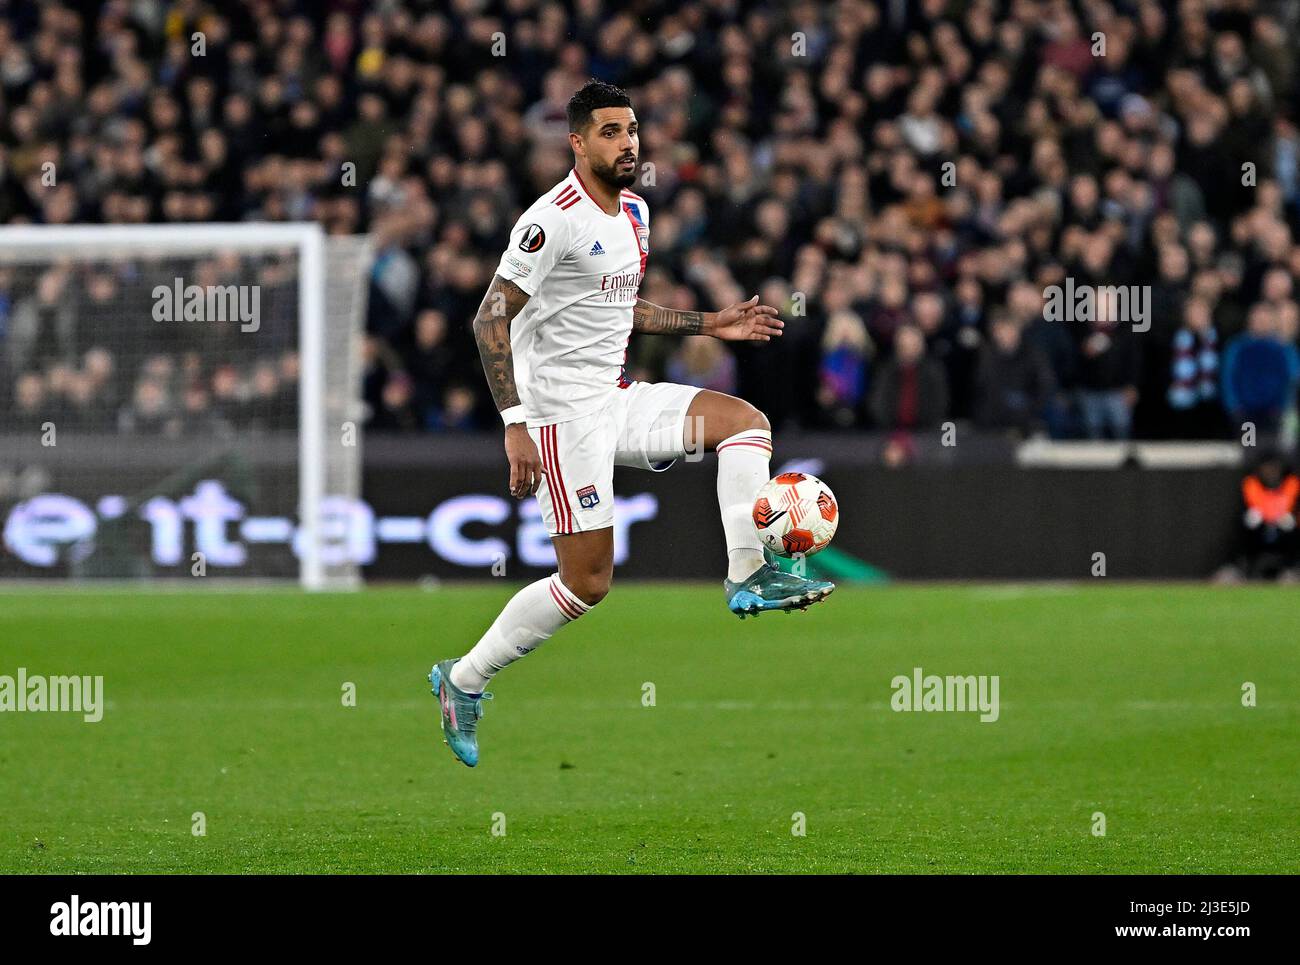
point(553, 331)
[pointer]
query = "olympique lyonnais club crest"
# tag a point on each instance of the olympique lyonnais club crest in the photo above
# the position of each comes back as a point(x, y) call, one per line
point(643, 239)
point(533, 239)
point(587, 497)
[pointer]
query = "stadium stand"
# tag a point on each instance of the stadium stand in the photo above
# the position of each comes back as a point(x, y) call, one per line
point(905, 180)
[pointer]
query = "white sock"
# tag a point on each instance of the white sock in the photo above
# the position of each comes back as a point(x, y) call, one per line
point(531, 616)
point(742, 469)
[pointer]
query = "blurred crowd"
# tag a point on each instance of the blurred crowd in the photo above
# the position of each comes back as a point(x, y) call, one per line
point(904, 180)
point(82, 350)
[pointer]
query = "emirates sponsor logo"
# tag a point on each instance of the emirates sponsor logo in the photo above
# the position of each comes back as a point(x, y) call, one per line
point(631, 279)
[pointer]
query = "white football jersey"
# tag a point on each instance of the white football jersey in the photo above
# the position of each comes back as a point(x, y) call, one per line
point(581, 269)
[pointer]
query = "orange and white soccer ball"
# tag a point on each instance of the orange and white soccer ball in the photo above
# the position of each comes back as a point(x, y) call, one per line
point(796, 514)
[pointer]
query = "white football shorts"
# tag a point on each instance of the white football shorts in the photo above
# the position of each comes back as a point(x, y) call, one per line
point(643, 426)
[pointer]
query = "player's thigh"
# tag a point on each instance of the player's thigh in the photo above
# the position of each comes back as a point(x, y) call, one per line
point(577, 490)
point(653, 424)
point(714, 416)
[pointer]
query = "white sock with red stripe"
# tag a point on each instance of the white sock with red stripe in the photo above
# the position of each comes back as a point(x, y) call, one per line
point(531, 616)
point(742, 470)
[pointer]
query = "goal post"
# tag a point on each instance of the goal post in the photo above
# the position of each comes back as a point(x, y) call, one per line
point(193, 370)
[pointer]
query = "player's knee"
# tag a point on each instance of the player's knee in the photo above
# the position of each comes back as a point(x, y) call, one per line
point(597, 591)
point(748, 418)
point(590, 588)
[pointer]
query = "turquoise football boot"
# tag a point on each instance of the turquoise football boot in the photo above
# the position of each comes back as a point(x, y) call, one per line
point(772, 589)
point(460, 713)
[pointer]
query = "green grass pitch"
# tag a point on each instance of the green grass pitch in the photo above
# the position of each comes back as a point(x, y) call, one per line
point(1125, 700)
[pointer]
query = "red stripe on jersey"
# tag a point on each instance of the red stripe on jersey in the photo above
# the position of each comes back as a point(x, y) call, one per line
point(584, 188)
point(570, 203)
point(568, 192)
point(636, 239)
point(623, 381)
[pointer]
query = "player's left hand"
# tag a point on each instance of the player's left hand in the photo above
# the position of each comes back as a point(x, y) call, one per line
point(746, 322)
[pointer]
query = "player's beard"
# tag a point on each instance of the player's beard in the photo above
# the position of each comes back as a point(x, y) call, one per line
point(613, 176)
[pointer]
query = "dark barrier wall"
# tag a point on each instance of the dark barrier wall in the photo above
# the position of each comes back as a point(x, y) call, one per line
point(1042, 523)
point(949, 523)
point(438, 507)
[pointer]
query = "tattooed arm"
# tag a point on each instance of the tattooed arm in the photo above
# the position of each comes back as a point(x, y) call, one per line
point(503, 301)
point(657, 320)
point(742, 322)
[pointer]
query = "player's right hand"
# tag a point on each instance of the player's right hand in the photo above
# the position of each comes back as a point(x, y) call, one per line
point(525, 461)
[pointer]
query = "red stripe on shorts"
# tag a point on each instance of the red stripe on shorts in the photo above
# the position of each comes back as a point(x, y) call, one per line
point(559, 473)
point(555, 481)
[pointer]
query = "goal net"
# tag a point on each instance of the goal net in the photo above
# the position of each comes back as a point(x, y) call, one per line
point(180, 401)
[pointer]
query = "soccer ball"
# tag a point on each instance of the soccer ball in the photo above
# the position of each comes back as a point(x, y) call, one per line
point(796, 514)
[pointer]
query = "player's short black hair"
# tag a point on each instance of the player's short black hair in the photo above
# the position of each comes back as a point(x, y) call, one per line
point(592, 96)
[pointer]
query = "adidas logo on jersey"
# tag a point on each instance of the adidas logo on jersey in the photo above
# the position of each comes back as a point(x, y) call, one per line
point(596, 249)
